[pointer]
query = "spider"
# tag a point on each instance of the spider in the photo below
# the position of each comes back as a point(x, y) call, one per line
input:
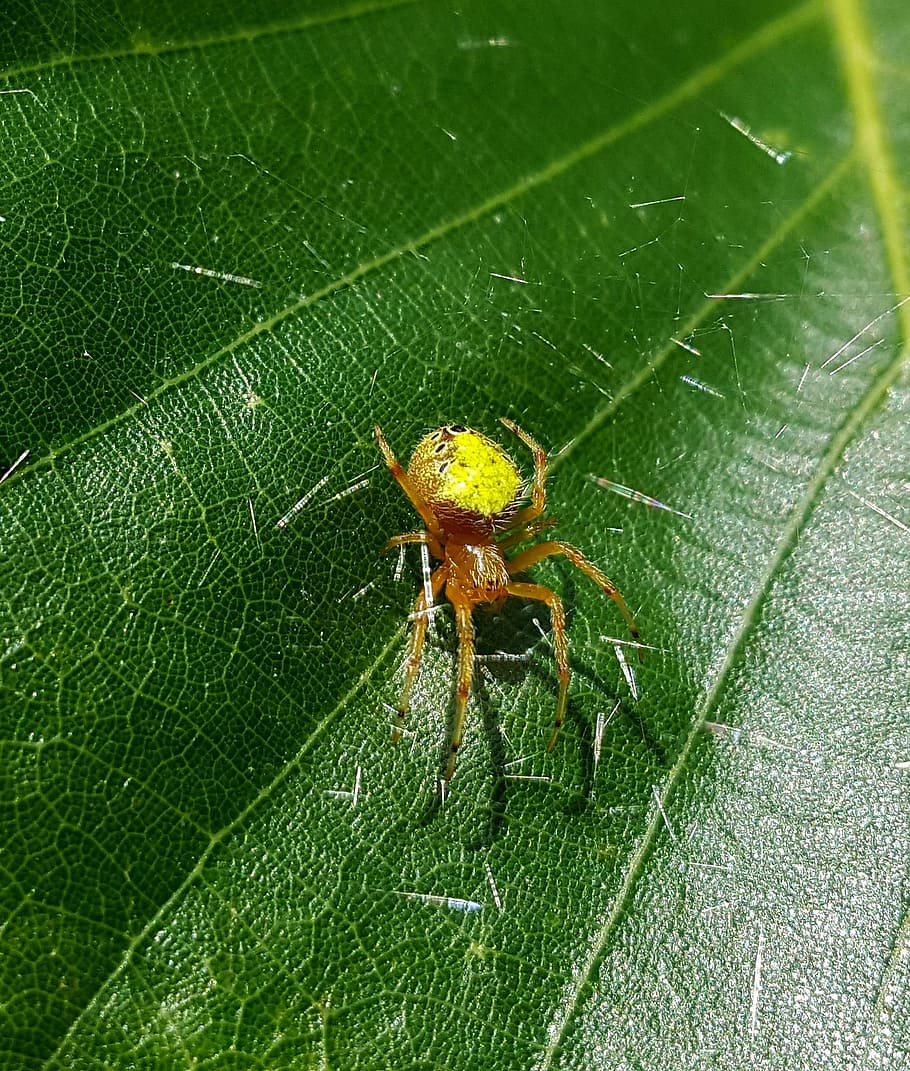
point(467, 491)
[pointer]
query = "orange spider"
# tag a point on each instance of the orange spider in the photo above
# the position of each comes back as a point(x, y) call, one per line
point(467, 490)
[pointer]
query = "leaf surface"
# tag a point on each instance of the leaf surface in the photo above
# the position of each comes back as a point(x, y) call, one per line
point(673, 247)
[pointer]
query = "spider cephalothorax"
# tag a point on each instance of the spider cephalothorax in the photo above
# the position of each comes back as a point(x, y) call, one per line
point(468, 492)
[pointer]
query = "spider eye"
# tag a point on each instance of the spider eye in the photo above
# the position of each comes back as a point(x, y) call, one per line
point(457, 429)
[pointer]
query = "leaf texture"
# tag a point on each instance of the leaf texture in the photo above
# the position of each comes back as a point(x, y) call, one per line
point(673, 246)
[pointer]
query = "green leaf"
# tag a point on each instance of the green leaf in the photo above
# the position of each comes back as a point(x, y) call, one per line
point(672, 245)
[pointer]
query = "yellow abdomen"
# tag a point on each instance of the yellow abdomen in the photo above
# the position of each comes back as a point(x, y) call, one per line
point(461, 468)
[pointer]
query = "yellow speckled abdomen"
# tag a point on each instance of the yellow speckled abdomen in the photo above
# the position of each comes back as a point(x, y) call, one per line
point(459, 467)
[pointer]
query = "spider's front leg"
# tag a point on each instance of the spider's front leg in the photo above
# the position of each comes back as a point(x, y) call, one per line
point(404, 480)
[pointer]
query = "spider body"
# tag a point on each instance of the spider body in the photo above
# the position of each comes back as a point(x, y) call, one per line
point(468, 492)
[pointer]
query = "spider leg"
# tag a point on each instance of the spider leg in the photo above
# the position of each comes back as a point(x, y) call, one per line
point(394, 466)
point(526, 558)
point(415, 646)
point(538, 483)
point(415, 537)
point(527, 532)
point(465, 628)
point(560, 644)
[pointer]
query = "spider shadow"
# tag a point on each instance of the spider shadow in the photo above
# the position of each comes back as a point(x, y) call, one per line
point(610, 691)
